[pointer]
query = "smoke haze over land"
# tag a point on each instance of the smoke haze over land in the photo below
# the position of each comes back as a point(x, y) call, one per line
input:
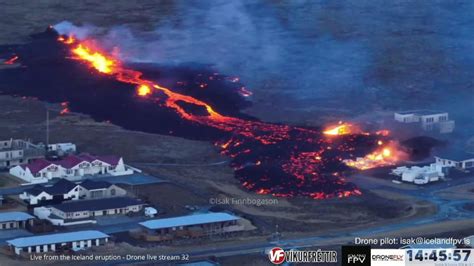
point(308, 56)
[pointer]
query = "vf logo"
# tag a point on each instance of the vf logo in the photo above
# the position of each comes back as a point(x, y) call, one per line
point(276, 255)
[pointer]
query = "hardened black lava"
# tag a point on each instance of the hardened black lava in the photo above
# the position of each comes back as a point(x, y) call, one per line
point(277, 159)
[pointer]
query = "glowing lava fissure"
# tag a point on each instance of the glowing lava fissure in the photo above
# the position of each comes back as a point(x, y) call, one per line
point(301, 165)
point(276, 159)
point(267, 133)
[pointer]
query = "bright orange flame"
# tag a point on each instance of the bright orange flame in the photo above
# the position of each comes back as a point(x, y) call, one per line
point(388, 155)
point(69, 40)
point(98, 60)
point(342, 129)
point(383, 132)
point(143, 90)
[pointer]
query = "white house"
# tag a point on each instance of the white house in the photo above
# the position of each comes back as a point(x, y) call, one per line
point(58, 192)
point(42, 170)
point(66, 190)
point(84, 211)
point(62, 148)
point(456, 158)
point(428, 119)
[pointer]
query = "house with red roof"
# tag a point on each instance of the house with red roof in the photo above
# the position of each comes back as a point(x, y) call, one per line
point(42, 170)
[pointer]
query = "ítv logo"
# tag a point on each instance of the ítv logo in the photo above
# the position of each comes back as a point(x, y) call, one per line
point(356, 255)
point(276, 255)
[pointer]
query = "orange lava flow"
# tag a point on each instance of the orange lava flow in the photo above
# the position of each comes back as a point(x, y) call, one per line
point(305, 162)
point(385, 155)
point(99, 61)
point(269, 133)
point(341, 129)
point(143, 90)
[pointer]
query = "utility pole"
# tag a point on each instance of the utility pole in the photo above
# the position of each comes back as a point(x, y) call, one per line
point(47, 128)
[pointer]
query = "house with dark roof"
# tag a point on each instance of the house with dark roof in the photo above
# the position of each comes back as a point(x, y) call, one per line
point(42, 170)
point(57, 192)
point(84, 211)
point(454, 157)
point(64, 190)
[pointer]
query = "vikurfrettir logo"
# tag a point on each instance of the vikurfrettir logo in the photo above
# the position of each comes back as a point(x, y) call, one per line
point(278, 255)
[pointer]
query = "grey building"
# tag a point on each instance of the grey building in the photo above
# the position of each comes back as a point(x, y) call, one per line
point(14, 152)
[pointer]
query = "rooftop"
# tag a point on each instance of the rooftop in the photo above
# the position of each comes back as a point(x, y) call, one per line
point(14, 216)
point(59, 188)
point(37, 165)
point(70, 161)
point(97, 204)
point(64, 186)
point(193, 219)
point(56, 238)
point(455, 154)
point(92, 184)
point(421, 112)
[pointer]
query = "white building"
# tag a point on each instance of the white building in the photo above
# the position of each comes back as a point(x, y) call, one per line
point(62, 148)
point(55, 242)
point(41, 170)
point(455, 158)
point(66, 190)
point(420, 175)
point(429, 120)
point(17, 151)
point(84, 211)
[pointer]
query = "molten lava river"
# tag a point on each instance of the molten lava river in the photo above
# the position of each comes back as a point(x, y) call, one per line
point(268, 158)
